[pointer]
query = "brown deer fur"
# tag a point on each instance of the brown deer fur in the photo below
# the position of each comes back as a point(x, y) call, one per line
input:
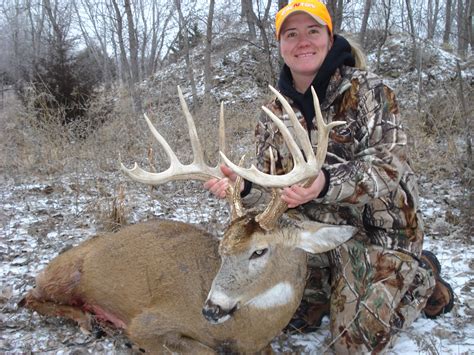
point(152, 280)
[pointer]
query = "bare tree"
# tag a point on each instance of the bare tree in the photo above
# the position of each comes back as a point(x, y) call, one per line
point(160, 29)
point(387, 11)
point(282, 3)
point(142, 34)
point(95, 32)
point(122, 51)
point(464, 20)
point(17, 40)
point(336, 9)
point(248, 14)
point(462, 26)
point(432, 16)
point(447, 24)
point(365, 18)
point(134, 66)
point(36, 20)
point(183, 29)
point(411, 24)
point(207, 55)
point(262, 23)
point(469, 24)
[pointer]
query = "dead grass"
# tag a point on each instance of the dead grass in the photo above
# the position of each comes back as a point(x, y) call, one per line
point(437, 134)
point(31, 150)
point(116, 216)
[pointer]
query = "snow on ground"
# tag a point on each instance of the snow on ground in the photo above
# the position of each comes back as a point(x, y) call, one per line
point(40, 218)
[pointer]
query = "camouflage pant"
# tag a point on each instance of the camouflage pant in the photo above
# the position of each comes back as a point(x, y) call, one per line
point(374, 293)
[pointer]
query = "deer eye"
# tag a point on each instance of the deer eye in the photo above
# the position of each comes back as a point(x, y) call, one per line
point(258, 253)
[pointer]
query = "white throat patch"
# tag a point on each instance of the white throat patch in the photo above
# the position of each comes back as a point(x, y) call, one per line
point(278, 295)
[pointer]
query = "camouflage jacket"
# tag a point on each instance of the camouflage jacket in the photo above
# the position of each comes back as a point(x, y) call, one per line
point(372, 185)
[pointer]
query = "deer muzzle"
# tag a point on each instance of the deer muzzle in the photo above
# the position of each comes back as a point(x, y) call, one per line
point(217, 314)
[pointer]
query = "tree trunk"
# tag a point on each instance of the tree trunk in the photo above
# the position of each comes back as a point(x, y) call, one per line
point(433, 13)
point(154, 39)
point(339, 16)
point(248, 15)
point(466, 119)
point(189, 66)
point(463, 17)
point(145, 39)
point(207, 56)
point(465, 14)
point(365, 19)
point(469, 24)
point(134, 69)
point(335, 8)
point(282, 4)
point(447, 24)
point(387, 17)
point(125, 67)
point(412, 27)
point(159, 38)
point(100, 53)
point(262, 26)
point(36, 33)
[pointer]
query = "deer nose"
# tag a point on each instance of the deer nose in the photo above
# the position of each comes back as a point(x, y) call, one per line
point(215, 314)
point(212, 312)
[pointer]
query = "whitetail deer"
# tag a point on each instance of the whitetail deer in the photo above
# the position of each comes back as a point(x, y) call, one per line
point(160, 281)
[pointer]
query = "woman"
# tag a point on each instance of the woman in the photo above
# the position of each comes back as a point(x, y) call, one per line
point(380, 280)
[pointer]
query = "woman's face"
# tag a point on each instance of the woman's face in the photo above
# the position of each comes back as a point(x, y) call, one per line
point(304, 44)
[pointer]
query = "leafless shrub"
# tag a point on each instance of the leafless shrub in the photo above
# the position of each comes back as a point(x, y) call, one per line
point(436, 131)
point(438, 147)
point(29, 146)
point(116, 216)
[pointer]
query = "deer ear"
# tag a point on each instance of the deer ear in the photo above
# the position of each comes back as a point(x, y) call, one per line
point(316, 238)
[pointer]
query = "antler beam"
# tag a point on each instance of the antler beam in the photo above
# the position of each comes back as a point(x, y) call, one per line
point(197, 170)
point(303, 169)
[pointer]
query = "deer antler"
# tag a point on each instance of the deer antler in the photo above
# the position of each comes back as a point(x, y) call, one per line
point(197, 170)
point(304, 171)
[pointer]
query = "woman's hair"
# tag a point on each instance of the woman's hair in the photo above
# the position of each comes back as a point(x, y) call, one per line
point(357, 53)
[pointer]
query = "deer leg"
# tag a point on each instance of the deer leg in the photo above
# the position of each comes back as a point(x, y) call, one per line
point(49, 308)
point(177, 343)
point(172, 342)
point(150, 331)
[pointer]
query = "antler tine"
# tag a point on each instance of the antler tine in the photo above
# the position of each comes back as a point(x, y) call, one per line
point(222, 143)
point(233, 196)
point(323, 131)
point(195, 142)
point(197, 170)
point(302, 169)
point(268, 218)
point(300, 132)
point(233, 191)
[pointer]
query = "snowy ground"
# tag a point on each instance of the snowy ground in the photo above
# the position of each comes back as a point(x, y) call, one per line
point(39, 218)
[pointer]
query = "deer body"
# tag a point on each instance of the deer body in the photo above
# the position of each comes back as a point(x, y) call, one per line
point(173, 287)
point(152, 280)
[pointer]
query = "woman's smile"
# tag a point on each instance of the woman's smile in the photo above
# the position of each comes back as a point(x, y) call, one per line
point(304, 45)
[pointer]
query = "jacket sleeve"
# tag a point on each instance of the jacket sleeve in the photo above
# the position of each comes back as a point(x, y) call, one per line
point(378, 150)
